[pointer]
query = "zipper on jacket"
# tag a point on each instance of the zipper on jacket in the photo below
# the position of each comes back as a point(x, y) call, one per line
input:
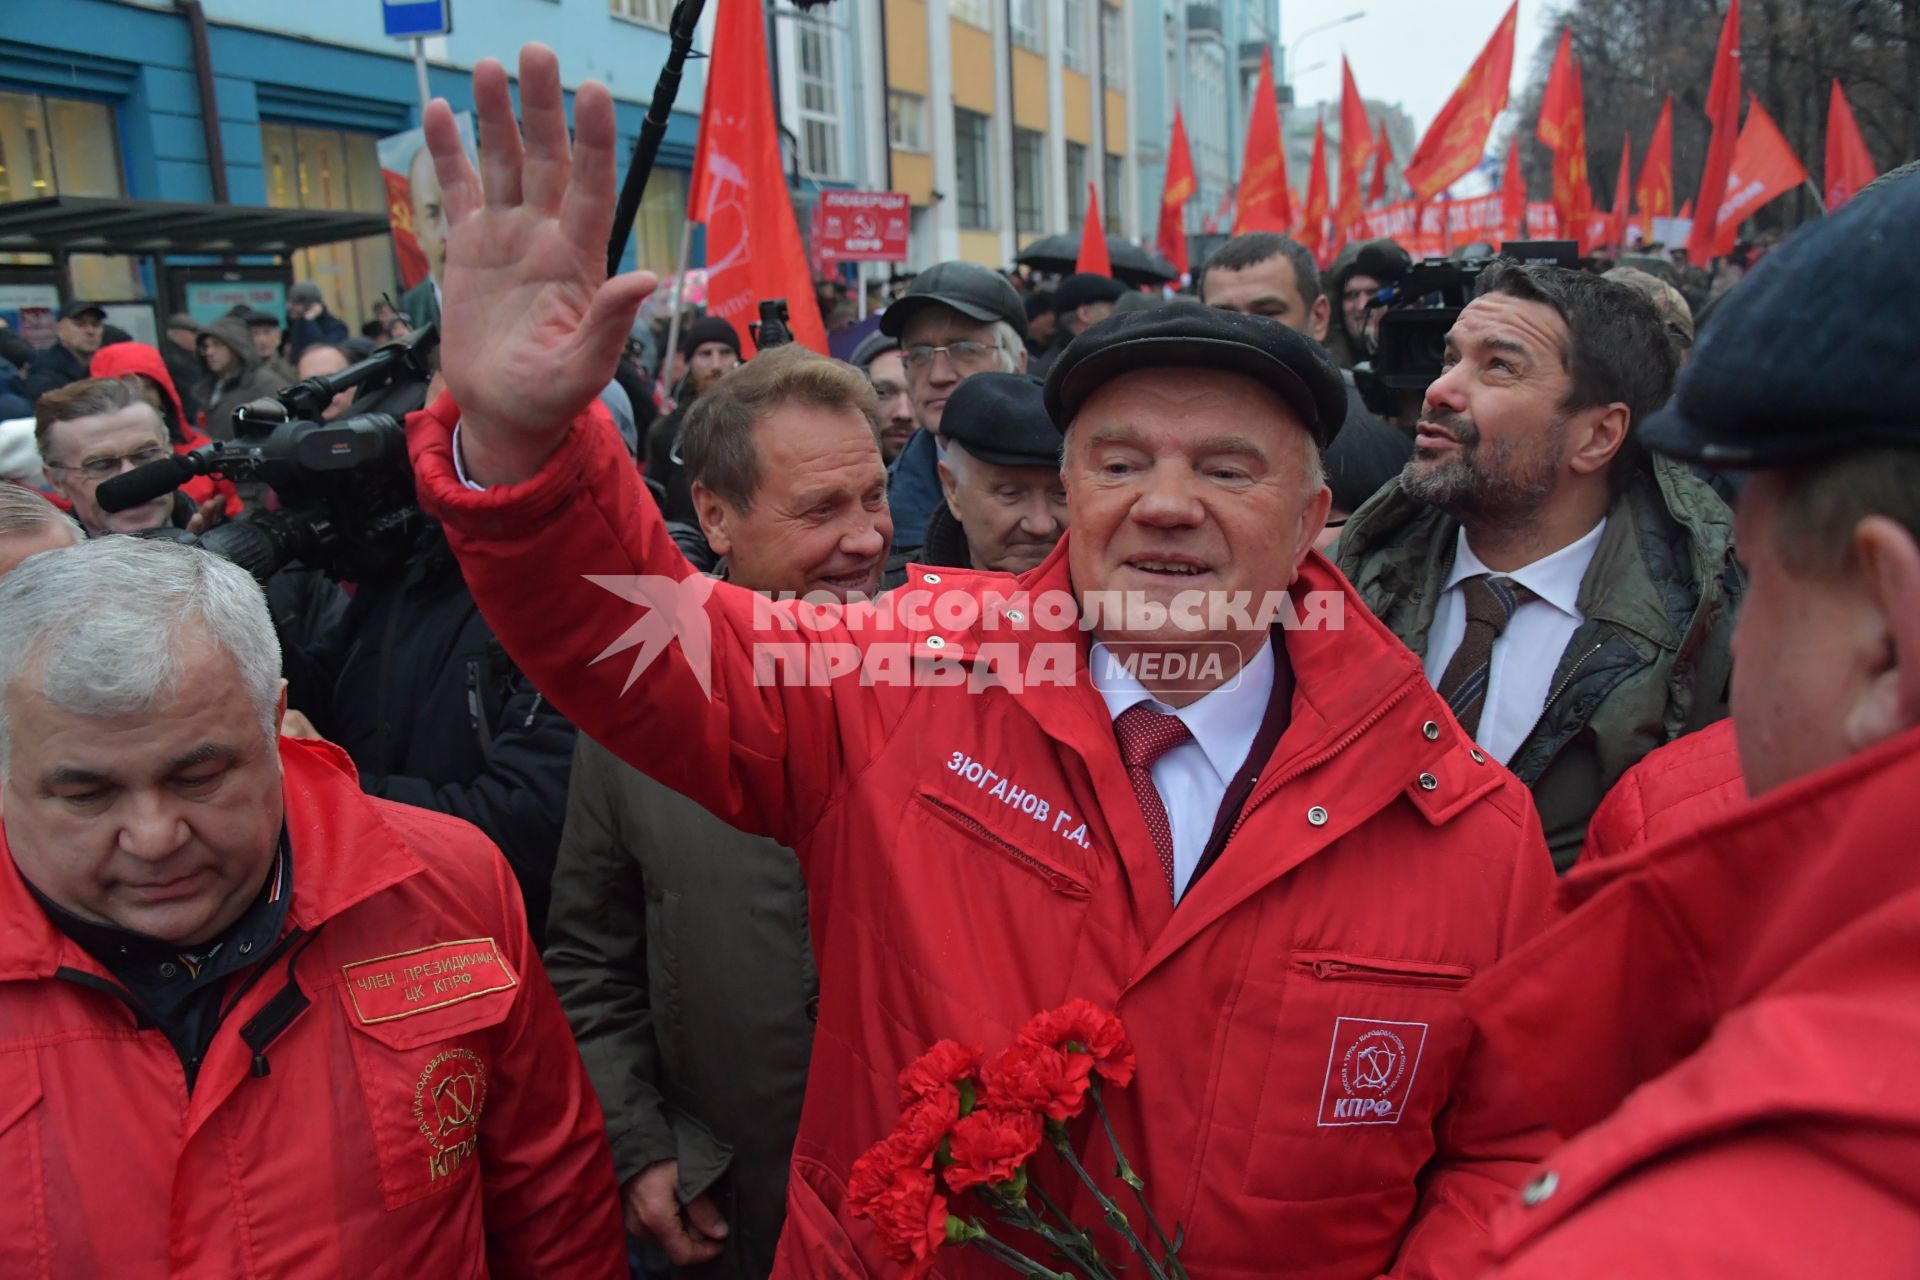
point(1378, 714)
point(1565, 682)
point(1059, 881)
point(1392, 973)
point(476, 713)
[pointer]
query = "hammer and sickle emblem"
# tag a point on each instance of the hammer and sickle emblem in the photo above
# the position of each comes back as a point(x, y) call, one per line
point(456, 1101)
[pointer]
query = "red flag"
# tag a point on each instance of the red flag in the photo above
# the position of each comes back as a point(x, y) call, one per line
point(739, 191)
point(1458, 135)
point(1513, 196)
point(1313, 221)
point(1266, 204)
point(1356, 148)
point(1572, 193)
point(1171, 240)
point(1558, 102)
point(1686, 211)
point(1093, 240)
point(1622, 196)
point(1763, 168)
point(1653, 195)
point(1849, 163)
point(1723, 113)
point(1382, 157)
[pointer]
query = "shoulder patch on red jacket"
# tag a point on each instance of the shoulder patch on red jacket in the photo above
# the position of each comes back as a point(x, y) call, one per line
point(1454, 781)
point(433, 977)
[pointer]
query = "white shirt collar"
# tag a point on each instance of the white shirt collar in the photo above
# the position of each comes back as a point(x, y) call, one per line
point(1224, 722)
point(1555, 579)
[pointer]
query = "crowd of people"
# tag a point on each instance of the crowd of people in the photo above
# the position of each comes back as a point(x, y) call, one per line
point(567, 898)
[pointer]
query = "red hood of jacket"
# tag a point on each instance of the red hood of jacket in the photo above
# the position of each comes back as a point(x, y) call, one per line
point(1786, 927)
point(137, 357)
point(347, 853)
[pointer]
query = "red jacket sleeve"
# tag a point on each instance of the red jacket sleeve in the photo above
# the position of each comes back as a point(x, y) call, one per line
point(552, 1207)
point(575, 572)
point(1490, 1138)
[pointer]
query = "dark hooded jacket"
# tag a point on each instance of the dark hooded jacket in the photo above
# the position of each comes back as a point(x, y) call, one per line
point(1650, 663)
point(249, 380)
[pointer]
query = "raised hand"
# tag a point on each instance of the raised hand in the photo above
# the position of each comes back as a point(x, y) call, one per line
point(530, 326)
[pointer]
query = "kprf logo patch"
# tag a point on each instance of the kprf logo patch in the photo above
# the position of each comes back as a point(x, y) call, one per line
point(1370, 1071)
point(447, 1101)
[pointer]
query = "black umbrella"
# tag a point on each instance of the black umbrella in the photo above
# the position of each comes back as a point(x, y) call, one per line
point(1131, 264)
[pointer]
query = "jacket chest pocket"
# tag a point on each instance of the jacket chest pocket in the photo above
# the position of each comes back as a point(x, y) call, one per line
point(25, 1245)
point(424, 1079)
point(1362, 1060)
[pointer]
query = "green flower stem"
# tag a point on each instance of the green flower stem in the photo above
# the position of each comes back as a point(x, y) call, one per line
point(1138, 1186)
point(1068, 1240)
point(1012, 1257)
point(1116, 1217)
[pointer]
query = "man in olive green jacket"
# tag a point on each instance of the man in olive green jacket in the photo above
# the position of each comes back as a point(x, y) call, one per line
point(1525, 472)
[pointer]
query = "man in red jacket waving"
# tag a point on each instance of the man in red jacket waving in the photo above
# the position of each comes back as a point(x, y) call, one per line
point(1119, 776)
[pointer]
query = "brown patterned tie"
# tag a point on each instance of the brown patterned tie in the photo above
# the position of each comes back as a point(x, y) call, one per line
point(1490, 605)
point(1145, 735)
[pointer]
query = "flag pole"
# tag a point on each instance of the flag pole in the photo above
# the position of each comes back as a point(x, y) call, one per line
point(1819, 201)
point(653, 131)
point(673, 321)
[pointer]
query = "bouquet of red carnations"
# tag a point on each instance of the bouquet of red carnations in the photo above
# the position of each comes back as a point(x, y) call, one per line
point(967, 1131)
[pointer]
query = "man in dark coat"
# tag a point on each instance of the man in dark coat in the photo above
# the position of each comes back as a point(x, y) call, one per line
point(66, 361)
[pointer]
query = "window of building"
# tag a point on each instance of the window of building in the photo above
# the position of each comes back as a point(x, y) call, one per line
point(331, 169)
point(1030, 24)
point(906, 121)
point(653, 13)
point(1029, 180)
point(1076, 185)
point(973, 169)
point(1113, 191)
point(820, 153)
point(1073, 34)
point(65, 147)
point(661, 222)
point(975, 13)
point(1113, 47)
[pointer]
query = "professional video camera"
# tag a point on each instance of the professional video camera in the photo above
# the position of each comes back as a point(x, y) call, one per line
point(1422, 301)
point(346, 493)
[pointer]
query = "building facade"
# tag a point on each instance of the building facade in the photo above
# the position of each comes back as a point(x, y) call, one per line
point(102, 97)
point(1001, 112)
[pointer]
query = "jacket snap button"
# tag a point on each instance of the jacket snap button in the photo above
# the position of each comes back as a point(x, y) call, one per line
point(1317, 816)
point(168, 969)
point(935, 642)
point(1540, 1189)
point(1428, 782)
point(1431, 730)
point(930, 577)
point(1014, 615)
point(1477, 757)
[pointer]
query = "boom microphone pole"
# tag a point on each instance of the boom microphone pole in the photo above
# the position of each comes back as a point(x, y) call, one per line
point(653, 130)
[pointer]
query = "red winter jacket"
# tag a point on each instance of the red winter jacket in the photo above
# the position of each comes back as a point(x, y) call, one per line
point(1727, 1029)
point(1673, 789)
point(459, 1140)
point(973, 858)
point(137, 357)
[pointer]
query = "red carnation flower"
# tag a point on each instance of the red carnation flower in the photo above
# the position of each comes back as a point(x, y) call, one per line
point(924, 1125)
point(1031, 1077)
point(989, 1146)
point(907, 1211)
point(944, 1065)
point(1082, 1027)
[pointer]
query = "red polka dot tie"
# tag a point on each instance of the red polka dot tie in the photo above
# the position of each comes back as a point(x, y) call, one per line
point(1145, 735)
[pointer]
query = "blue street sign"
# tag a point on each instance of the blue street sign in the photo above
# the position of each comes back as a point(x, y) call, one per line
point(408, 18)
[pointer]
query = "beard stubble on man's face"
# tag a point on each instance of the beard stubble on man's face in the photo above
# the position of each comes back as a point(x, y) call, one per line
point(1501, 484)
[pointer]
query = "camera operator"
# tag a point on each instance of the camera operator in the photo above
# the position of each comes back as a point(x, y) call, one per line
point(412, 684)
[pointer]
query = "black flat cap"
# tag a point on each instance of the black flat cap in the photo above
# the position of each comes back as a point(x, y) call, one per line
point(1187, 335)
point(976, 292)
point(1002, 418)
point(1083, 287)
point(1813, 354)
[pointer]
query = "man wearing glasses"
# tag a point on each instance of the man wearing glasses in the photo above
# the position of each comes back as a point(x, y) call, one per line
point(89, 432)
point(957, 319)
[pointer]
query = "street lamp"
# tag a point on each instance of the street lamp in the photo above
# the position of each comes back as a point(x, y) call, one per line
point(1294, 50)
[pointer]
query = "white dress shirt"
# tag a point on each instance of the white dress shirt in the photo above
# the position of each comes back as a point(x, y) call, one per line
point(1528, 653)
point(1192, 778)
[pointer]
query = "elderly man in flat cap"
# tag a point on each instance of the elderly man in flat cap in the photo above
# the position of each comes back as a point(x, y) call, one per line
point(1176, 769)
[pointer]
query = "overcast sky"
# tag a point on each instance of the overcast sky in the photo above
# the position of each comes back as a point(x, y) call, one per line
point(1408, 51)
